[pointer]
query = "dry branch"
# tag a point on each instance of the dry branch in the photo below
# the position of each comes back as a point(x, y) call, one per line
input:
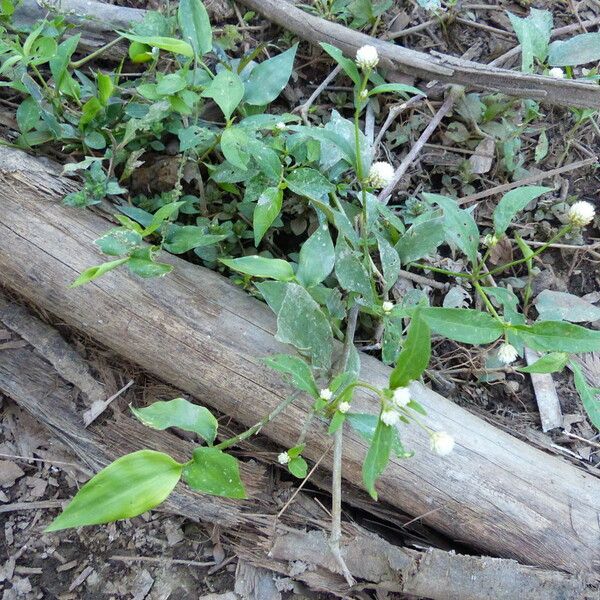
point(196, 330)
point(32, 382)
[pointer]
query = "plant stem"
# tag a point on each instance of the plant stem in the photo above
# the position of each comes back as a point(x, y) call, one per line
point(258, 426)
point(79, 63)
point(487, 301)
point(442, 271)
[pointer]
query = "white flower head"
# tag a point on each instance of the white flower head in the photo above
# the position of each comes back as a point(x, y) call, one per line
point(283, 458)
point(387, 306)
point(364, 94)
point(586, 72)
point(326, 394)
point(490, 240)
point(367, 57)
point(401, 397)
point(344, 407)
point(390, 417)
point(380, 174)
point(281, 126)
point(442, 443)
point(507, 353)
point(581, 213)
point(557, 73)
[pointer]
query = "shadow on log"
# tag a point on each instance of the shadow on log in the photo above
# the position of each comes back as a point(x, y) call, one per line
point(197, 331)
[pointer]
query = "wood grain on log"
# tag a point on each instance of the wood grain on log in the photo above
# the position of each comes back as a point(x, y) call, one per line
point(197, 331)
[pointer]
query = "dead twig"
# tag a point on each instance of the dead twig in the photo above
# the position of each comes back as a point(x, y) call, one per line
point(303, 110)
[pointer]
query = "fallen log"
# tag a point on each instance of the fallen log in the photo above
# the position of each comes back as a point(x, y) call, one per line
point(197, 331)
point(34, 385)
point(97, 20)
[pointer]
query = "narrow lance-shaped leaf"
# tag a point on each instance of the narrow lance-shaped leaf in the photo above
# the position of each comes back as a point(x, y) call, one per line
point(267, 209)
point(348, 65)
point(260, 266)
point(94, 272)
point(589, 396)
point(126, 488)
point(227, 90)
point(377, 457)
point(195, 25)
point(317, 257)
point(463, 324)
point(512, 202)
point(300, 374)
point(549, 363)
point(557, 336)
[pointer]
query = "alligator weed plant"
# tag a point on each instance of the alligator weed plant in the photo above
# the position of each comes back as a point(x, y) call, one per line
point(243, 174)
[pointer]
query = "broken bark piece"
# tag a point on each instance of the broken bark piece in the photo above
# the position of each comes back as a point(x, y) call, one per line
point(197, 331)
point(545, 395)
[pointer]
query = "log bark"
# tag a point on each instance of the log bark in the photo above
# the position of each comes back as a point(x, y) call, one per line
point(197, 331)
point(33, 383)
point(97, 19)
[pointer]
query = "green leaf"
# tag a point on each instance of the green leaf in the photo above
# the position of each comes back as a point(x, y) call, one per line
point(399, 88)
point(267, 209)
point(414, 358)
point(94, 272)
point(549, 363)
point(336, 422)
point(105, 88)
point(195, 25)
point(142, 263)
point(302, 323)
point(213, 472)
point(420, 240)
point(119, 241)
point(184, 238)
point(513, 202)
point(234, 144)
point(589, 396)
point(227, 90)
point(163, 43)
point(310, 183)
point(533, 33)
point(350, 272)
point(377, 457)
point(317, 257)
point(161, 215)
point(298, 467)
point(128, 487)
point(267, 79)
point(59, 64)
point(560, 306)
point(28, 115)
point(390, 262)
point(328, 137)
point(463, 324)
point(170, 84)
point(348, 65)
point(365, 425)
point(460, 227)
point(300, 374)
point(557, 336)
point(179, 413)
point(577, 50)
point(259, 266)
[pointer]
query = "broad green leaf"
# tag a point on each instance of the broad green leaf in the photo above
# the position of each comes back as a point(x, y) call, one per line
point(211, 471)
point(459, 225)
point(348, 65)
point(391, 341)
point(589, 396)
point(184, 238)
point(462, 324)
point(335, 139)
point(300, 374)
point(146, 267)
point(420, 240)
point(259, 266)
point(577, 50)
point(94, 272)
point(350, 272)
point(414, 358)
point(267, 209)
point(310, 183)
point(273, 293)
point(400, 88)
point(317, 257)
point(161, 215)
point(234, 145)
point(512, 203)
point(163, 43)
point(557, 336)
point(119, 241)
point(195, 25)
point(227, 90)
point(266, 159)
point(549, 363)
point(267, 79)
point(59, 64)
point(365, 425)
point(170, 84)
point(128, 487)
point(390, 262)
point(198, 138)
point(377, 457)
point(509, 302)
point(28, 115)
point(298, 467)
point(179, 413)
point(302, 323)
point(533, 33)
point(560, 306)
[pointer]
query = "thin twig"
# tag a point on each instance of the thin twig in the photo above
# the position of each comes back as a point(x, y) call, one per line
point(162, 560)
point(386, 193)
point(392, 114)
point(97, 408)
point(306, 106)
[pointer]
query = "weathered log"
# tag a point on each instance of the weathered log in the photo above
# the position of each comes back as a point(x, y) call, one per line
point(197, 331)
point(33, 383)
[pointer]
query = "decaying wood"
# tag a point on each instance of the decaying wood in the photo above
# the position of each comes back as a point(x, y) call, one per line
point(545, 395)
point(288, 548)
point(197, 331)
point(96, 19)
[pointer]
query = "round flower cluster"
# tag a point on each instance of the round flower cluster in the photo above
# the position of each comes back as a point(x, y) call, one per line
point(283, 458)
point(387, 306)
point(344, 407)
point(442, 443)
point(367, 57)
point(390, 417)
point(507, 353)
point(557, 73)
point(326, 394)
point(281, 126)
point(380, 174)
point(401, 397)
point(581, 213)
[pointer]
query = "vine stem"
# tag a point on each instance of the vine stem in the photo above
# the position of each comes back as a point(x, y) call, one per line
point(336, 474)
point(86, 59)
